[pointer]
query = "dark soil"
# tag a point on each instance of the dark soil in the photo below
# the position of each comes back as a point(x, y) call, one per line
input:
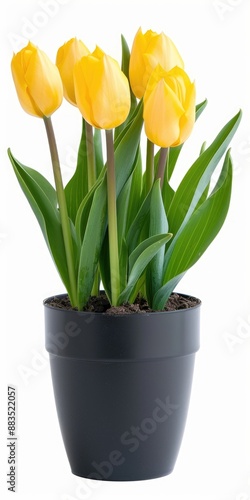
point(101, 305)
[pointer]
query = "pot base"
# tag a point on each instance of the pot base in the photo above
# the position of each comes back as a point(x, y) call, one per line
point(126, 479)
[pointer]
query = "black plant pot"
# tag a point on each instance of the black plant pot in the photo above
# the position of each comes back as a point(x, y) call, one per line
point(122, 388)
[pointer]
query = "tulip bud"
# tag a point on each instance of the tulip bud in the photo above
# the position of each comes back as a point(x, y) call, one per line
point(66, 58)
point(169, 107)
point(147, 52)
point(37, 81)
point(101, 90)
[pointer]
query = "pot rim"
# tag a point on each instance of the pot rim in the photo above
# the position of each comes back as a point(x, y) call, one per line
point(98, 314)
point(124, 337)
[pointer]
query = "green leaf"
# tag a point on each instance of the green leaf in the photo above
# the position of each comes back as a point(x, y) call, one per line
point(126, 151)
point(203, 226)
point(198, 233)
point(139, 260)
point(125, 159)
point(138, 224)
point(174, 152)
point(200, 108)
point(163, 294)
point(77, 187)
point(104, 264)
point(98, 151)
point(91, 245)
point(158, 225)
point(198, 177)
point(125, 69)
point(122, 210)
point(123, 264)
point(167, 192)
point(143, 246)
point(43, 201)
point(135, 192)
point(137, 290)
point(206, 191)
point(125, 56)
point(203, 147)
point(83, 211)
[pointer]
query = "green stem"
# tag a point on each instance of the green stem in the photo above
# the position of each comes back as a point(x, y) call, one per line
point(91, 156)
point(150, 170)
point(162, 164)
point(91, 162)
point(112, 220)
point(67, 237)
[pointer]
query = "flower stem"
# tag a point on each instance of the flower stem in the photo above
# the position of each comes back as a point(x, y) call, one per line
point(112, 220)
point(67, 237)
point(91, 181)
point(164, 153)
point(150, 171)
point(91, 156)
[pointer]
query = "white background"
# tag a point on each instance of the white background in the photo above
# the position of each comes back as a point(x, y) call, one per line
point(214, 39)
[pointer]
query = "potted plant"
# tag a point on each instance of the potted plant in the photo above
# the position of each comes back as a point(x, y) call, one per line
point(122, 342)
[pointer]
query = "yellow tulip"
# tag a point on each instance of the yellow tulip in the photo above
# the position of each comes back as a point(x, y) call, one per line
point(101, 90)
point(169, 107)
point(66, 58)
point(149, 50)
point(37, 81)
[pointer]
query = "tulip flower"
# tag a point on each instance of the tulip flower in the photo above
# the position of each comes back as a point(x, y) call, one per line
point(37, 81)
point(67, 56)
point(149, 50)
point(40, 92)
point(169, 107)
point(103, 97)
point(101, 90)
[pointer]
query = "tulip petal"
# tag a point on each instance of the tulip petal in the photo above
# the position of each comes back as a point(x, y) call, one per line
point(17, 64)
point(179, 81)
point(113, 97)
point(137, 65)
point(188, 119)
point(67, 56)
point(162, 112)
point(102, 90)
point(88, 76)
point(44, 83)
point(162, 50)
point(81, 92)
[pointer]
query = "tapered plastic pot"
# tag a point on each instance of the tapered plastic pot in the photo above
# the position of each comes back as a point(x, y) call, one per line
point(122, 388)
